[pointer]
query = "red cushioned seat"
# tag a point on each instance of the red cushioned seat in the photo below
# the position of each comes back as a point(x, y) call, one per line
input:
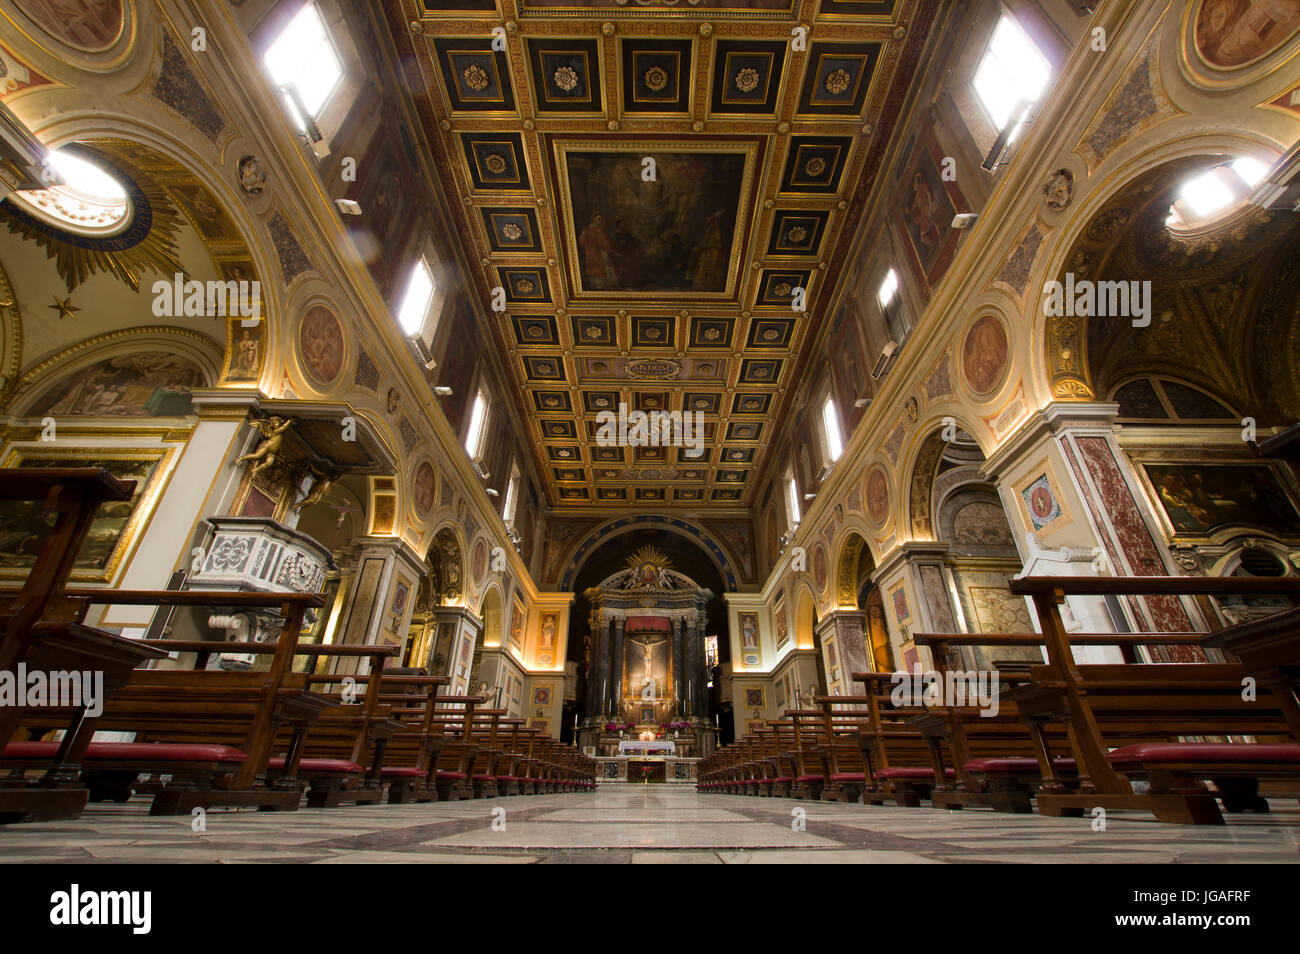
point(450, 775)
point(400, 771)
point(848, 777)
point(484, 778)
point(783, 780)
point(811, 778)
point(905, 773)
point(993, 765)
point(333, 766)
point(1285, 753)
point(132, 752)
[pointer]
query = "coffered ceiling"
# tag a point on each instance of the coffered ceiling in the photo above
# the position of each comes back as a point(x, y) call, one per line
point(651, 184)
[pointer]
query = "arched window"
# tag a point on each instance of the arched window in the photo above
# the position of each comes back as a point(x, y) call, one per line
point(1162, 399)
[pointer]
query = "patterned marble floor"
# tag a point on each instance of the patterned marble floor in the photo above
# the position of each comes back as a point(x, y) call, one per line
point(645, 824)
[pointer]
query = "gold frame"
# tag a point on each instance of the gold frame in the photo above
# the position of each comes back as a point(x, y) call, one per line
point(165, 459)
point(641, 148)
point(1141, 459)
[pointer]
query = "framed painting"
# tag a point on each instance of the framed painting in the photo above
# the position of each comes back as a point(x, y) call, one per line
point(1196, 499)
point(927, 201)
point(676, 234)
point(542, 695)
point(516, 632)
point(754, 697)
point(116, 528)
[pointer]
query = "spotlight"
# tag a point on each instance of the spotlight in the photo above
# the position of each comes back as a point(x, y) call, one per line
point(442, 391)
point(963, 219)
point(492, 492)
point(347, 207)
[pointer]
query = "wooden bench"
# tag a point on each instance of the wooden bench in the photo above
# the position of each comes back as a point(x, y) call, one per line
point(38, 630)
point(1191, 699)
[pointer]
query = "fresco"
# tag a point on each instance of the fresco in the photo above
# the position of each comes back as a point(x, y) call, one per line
point(150, 383)
point(671, 234)
point(1231, 33)
point(87, 24)
point(923, 215)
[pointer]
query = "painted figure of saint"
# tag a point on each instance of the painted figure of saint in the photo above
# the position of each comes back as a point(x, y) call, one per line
point(597, 254)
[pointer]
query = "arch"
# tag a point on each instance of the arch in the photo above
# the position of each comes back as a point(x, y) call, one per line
point(71, 365)
point(446, 566)
point(492, 611)
point(1055, 360)
point(57, 117)
point(675, 525)
point(930, 453)
point(805, 618)
point(847, 563)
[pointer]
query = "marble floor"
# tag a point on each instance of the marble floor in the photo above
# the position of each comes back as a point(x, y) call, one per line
point(645, 824)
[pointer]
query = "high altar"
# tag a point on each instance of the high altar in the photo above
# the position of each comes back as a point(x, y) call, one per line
point(646, 674)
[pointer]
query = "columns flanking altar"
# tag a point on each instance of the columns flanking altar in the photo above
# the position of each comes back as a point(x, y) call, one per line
point(646, 665)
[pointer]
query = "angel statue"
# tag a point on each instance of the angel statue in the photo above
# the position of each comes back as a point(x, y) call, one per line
point(319, 485)
point(272, 429)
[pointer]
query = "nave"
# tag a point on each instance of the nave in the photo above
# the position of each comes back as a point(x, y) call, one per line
point(646, 823)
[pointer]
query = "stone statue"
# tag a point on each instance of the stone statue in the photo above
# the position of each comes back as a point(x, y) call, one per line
point(272, 430)
point(320, 484)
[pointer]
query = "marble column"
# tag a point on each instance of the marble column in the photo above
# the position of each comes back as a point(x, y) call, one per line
point(694, 667)
point(594, 679)
point(679, 671)
point(616, 666)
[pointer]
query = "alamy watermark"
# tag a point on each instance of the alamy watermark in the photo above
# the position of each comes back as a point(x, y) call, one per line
point(76, 907)
point(56, 689)
point(1085, 298)
point(654, 429)
point(196, 299)
point(978, 689)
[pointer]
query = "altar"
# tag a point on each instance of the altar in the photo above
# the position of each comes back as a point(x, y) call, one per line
point(647, 747)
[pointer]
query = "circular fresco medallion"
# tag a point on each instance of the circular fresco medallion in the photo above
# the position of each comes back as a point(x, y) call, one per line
point(1230, 34)
point(88, 25)
point(984, 354)
point(478, 562)
point(423, 487)
point(819, 567)
point(877, 496)
point(320, 342)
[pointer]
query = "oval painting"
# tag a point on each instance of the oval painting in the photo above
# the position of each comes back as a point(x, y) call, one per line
point(877, 496)
point(422, 488)
point(984, 355)
point(1233, 33)
point(819, 568)
point(478, 562)
point(89, 25)
point(320, 342)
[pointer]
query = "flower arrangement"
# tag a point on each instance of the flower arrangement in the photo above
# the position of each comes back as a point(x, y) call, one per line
point(674, 725)
point(618, 726)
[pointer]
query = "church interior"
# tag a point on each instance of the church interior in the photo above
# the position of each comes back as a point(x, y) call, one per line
point(650, 431)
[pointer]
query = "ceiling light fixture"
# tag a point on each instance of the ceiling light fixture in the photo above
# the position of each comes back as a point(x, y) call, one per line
point(492, 492)
point(442, 391)
point(963, 219)
point(348, 207)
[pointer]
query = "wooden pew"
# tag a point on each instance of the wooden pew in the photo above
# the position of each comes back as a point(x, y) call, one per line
point(37, 631)
point(1073, 693)
point(212, 731)
point(902, 765)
